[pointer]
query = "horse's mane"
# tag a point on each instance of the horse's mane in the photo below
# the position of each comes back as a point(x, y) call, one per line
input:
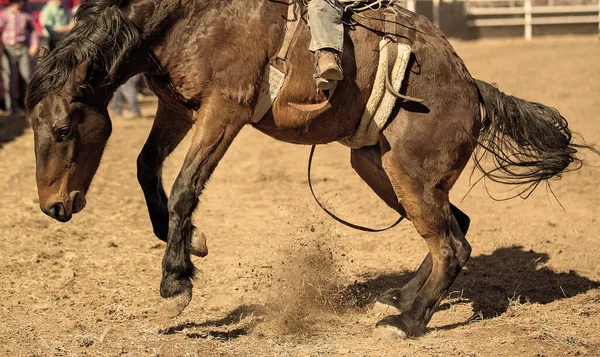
point(102, 37)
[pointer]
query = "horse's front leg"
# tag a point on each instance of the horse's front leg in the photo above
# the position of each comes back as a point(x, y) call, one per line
point(218, 122)
point(169, 128)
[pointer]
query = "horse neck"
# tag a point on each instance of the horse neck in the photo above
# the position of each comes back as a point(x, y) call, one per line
point(150, 19)
point(207, 20)
point(154, 19)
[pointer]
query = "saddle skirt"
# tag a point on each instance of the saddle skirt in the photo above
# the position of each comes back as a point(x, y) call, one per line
point(381, 101)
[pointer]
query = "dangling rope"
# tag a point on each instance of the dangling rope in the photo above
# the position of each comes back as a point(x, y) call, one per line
point(346, 223)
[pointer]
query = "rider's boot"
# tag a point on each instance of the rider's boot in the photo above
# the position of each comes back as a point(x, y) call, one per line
point(329, 69)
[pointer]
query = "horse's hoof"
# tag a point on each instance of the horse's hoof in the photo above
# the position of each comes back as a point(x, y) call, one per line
point(389, 333)
point(393, 327)
point(198, 246)
point(174, 306)
point(381, 310)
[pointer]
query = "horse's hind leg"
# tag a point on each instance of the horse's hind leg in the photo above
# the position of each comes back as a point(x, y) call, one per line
point(422, 168)
point(402, 298)
point(366, 162)
point(218, 122)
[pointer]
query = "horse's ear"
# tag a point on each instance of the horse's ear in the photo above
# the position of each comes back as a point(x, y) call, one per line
point(81, 72)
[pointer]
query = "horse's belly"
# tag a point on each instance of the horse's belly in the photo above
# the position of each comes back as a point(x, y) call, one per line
point(321, 130)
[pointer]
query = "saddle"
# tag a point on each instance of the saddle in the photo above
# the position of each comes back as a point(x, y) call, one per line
point(385, 90)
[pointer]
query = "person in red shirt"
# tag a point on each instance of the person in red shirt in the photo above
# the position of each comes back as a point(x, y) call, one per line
point(20, 42)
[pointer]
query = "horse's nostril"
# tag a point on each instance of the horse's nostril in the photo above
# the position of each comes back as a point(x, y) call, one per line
point(59, 212)
point(78, 202)
point(56, 210)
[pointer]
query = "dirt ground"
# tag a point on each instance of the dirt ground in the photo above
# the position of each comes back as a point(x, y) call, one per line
point(284, 279)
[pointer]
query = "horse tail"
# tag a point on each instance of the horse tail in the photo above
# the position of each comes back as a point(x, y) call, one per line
point(530, 143)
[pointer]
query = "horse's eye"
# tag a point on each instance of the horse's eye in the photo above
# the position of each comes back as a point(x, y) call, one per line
point(62, 133)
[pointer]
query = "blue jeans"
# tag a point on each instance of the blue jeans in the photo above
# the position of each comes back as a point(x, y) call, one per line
point(16, 70)
point(326, 27)
point(127, 91)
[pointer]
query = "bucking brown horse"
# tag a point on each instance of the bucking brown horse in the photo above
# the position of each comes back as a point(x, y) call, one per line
point(205, 59)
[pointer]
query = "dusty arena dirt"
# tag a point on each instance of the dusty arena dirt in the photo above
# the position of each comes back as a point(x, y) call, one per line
point(282, 278)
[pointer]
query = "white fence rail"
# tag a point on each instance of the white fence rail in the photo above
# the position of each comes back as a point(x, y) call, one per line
point(528, 13)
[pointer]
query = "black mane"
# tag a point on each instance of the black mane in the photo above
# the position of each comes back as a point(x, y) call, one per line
point(102, 36)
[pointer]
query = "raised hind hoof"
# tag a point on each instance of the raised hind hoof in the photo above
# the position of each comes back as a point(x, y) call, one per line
point(198, 245)
point(394, 327)
point(175, 305)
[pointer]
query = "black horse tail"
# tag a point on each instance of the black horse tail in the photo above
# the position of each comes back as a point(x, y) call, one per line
point(530, 143)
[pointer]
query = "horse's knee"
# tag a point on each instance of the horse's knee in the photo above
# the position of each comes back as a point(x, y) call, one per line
point(447, 264)
point(182, 200)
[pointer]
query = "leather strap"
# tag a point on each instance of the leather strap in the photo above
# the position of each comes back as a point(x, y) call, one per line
point(344, 222)
point(294, 16)
point(391, 33)
point(317, 106)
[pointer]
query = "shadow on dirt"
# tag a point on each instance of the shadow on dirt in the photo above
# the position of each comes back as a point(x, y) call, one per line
point(11, 127)
point(211, 328)
point(490, 282)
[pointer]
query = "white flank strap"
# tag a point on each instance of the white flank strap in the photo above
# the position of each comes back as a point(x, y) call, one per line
point(389, 100)
point(381, 102)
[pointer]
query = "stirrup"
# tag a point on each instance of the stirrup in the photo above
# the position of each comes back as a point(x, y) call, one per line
point(332, 73)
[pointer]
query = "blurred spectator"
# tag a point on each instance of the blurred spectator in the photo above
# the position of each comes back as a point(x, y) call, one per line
point(127, 91)
point(20, 43)
point(55, 20)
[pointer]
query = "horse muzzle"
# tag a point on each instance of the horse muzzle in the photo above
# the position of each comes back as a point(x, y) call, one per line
point(63, 211)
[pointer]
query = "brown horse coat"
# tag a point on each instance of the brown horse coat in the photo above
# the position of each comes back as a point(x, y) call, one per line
point(205, 59)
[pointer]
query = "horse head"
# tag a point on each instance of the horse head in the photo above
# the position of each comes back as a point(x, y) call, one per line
point(70, 134)
point(67, 99)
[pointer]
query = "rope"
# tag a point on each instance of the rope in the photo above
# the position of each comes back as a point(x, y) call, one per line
point(362, 5)
point(344, 222)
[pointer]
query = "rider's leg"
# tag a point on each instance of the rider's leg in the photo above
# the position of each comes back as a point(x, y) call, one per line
point(327, 41)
